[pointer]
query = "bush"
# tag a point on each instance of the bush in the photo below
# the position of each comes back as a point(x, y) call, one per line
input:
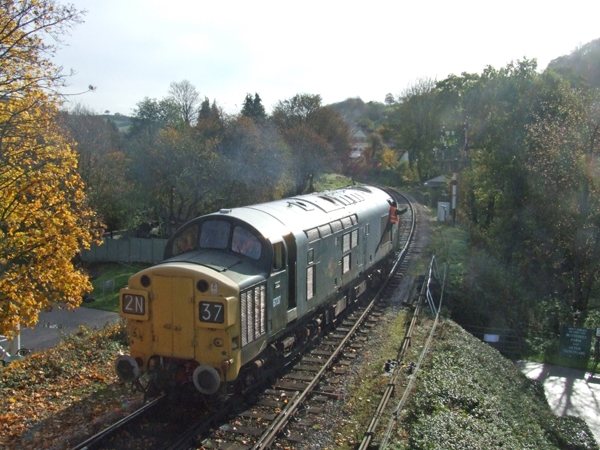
point(470, 397)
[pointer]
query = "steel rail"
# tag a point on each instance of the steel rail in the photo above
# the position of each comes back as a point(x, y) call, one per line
point(95, 440)
point(413, 380)
point(391, 386)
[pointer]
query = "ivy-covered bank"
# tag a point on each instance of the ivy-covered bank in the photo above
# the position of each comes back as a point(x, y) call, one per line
point(470, 397)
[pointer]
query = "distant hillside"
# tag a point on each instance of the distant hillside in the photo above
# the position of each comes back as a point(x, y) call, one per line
point(358, 113)
point(583, 62)
point(122, 122)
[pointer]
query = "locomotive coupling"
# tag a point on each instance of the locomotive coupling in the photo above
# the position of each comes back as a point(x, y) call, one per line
point(127, 368)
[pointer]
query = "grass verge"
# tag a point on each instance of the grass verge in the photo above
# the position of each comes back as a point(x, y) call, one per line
point(365, 392)
point(332, 181)
point(107, 299)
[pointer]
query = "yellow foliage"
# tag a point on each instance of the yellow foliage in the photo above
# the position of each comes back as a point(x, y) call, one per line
point(44, 220)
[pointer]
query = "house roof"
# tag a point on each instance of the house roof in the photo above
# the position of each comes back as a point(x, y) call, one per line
point(440, 181)
point(359, 134)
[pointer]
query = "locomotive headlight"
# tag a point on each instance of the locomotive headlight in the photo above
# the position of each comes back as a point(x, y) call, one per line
point(218, 342)
point(145, 280)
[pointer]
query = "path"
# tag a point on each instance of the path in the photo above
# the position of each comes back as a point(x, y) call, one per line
point(569, 391)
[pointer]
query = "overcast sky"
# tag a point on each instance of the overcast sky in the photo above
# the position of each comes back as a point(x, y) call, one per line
point(131, 49)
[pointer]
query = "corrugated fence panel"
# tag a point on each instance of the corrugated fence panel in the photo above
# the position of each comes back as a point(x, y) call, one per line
point(158, 248)
point(135, 250)
point(123, 249)
point(126, 250)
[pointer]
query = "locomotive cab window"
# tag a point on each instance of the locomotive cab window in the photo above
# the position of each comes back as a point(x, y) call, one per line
point(186, 241)
point(246, 243)
point(215, 234)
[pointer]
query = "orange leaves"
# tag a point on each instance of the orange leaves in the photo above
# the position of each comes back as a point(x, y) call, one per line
point(61, 385)
point(43, 211)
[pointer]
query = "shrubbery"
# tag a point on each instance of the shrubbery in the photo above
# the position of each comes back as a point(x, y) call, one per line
point(470, 397)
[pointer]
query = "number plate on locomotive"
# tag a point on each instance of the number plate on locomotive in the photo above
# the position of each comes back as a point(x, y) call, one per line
point(134, 304)
point(212, 312)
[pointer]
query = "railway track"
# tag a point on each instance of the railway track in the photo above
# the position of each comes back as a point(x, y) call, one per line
point(282, 414)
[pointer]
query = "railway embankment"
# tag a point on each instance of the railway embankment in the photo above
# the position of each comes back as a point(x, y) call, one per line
point(467, 396)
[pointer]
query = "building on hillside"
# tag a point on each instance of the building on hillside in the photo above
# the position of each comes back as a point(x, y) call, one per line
point(359, 145)
point(437, 182)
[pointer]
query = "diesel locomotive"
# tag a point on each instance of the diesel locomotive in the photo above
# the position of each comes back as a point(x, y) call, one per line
point(244, 289)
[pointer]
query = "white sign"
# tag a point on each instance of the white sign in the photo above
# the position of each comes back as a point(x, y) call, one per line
point(597, 332)
point(491, 338)
point(276, 301)
point(214, 287)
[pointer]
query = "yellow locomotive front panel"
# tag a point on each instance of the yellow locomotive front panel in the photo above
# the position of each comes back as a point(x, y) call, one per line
point(182, 317)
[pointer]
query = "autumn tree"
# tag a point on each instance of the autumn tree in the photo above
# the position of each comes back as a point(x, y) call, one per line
point(255, 163)
point(211, 121)
point(44, 219)
point(102, 165)
point(564, 144)
point(178, 181)
point(151, 115)
point(317, 136)
point(415, 124)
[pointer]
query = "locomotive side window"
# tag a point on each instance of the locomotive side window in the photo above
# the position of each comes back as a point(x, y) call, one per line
point(278, 257)
point(346, 242)
point(187, 241)
point(215, 234)
point(387, 237)
point(346, 263)
point(246, 243)
point(354, 239)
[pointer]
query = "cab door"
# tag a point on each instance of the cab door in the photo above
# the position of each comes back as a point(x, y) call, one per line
point(173, 316)
point(278, 288)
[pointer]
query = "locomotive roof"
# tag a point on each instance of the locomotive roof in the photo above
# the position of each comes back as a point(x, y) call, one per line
point(303, 212)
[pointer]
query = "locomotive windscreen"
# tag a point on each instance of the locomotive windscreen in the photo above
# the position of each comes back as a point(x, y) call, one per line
point(215, 234)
